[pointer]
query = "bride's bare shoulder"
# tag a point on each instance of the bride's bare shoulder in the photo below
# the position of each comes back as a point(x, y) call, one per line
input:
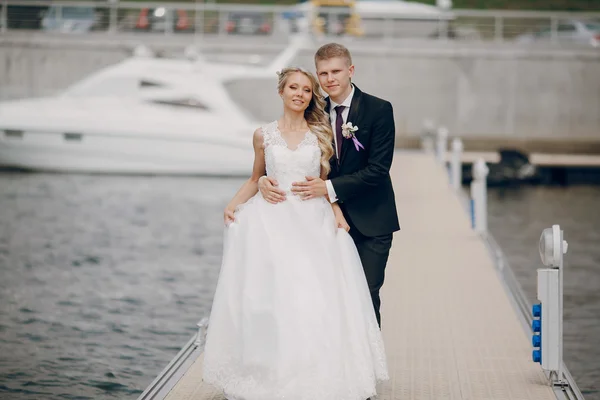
point(259, 132)
point(258, 138)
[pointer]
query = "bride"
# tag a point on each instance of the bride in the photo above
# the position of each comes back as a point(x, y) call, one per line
point(292, 316)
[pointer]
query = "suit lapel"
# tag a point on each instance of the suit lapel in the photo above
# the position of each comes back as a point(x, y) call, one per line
point(352, 117)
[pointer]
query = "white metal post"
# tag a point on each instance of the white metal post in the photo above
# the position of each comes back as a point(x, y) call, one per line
point(553, 29)
point(59, 16)
point(498, 31)
point(4, 17)
point(456, 164)
point(479, 195)
point(441, 144)
point(113, 8)
point(548, 283)
point(427, 136)
point(223, 18)
point(198, 20)
point(443, 22)
point(202, 328)
point(169, 21)
point(562, 244)
point(548, 315)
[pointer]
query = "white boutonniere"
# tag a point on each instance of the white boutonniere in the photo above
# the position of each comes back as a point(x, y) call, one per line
point(348, 132)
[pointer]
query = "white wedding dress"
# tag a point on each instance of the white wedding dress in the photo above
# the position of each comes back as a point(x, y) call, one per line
point(292, 317)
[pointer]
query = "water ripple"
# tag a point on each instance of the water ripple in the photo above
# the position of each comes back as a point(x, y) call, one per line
point(104, 279)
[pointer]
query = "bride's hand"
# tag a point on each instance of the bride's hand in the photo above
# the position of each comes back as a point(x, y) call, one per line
point(340, 221)
point(229, 215)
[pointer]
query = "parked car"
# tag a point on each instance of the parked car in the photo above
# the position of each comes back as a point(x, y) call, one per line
point(71, 19)
point(156, 19)
point(248, 23)
point(568, 31)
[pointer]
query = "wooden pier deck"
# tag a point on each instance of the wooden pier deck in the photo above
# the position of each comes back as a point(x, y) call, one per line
point(449, 325)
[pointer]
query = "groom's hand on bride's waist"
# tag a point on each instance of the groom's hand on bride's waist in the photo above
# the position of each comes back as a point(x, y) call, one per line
point(268, 188)
point(311, 188)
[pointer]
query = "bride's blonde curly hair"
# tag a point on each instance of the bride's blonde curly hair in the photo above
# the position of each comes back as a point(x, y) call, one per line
point(315, 115)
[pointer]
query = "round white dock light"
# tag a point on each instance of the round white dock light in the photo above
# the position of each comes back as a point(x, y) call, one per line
point(550, 246)
point(547, 247)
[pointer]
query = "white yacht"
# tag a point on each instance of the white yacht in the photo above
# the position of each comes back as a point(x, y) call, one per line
point(144, 115)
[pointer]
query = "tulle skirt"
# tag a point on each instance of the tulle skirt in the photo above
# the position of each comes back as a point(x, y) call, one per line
point(292, 317)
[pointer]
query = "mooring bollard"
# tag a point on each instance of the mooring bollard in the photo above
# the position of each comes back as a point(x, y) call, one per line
point(427, 136)
point(441, 145)
point(456, 163)
point(547, 324)
point(202, 328)
point(479, 196)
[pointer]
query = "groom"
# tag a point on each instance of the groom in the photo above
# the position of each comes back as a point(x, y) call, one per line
point(359, 179)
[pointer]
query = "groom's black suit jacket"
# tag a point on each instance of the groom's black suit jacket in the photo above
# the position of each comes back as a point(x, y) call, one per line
point(362, 181)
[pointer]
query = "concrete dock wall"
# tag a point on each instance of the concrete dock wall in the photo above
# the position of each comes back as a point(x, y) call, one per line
point(485, 91)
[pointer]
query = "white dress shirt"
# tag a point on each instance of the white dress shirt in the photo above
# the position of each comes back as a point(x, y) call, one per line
point(333, 116)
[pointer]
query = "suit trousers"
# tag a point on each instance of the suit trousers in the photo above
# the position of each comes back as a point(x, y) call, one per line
point(373, 252)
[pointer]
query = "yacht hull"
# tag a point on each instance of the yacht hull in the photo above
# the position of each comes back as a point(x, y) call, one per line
point(113, 154)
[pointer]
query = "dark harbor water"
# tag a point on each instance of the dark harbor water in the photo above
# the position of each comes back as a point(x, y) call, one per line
point(103, 278)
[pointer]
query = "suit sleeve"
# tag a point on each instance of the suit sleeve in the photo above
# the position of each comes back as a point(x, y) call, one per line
point(381, 152)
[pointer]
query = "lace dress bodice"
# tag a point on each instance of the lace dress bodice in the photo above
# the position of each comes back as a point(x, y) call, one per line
point(290, 165)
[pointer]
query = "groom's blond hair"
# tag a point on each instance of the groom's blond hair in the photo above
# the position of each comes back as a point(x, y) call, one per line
point(332, 50)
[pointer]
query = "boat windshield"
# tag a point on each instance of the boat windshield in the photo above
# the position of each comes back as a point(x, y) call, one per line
point(188, 102)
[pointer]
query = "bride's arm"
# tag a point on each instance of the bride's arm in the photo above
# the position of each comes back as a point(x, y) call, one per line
point(250, 187)
point(340, 220)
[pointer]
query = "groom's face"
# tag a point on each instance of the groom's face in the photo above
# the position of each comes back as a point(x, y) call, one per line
point(334, 76)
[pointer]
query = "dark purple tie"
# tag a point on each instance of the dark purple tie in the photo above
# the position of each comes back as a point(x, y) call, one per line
point(339, 121)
